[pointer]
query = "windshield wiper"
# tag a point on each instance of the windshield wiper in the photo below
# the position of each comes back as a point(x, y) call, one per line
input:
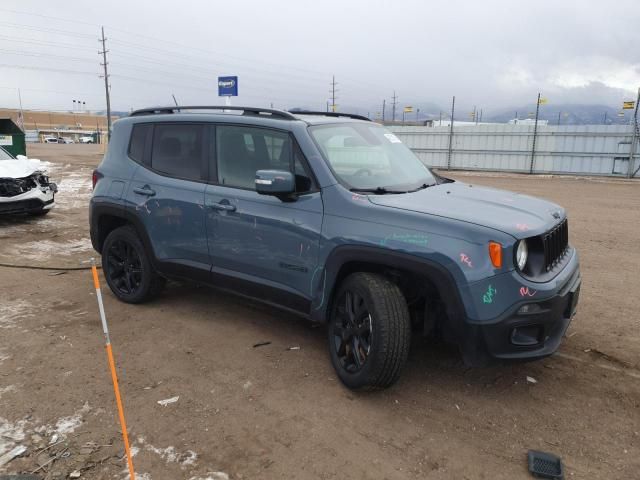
point(376, 190)
point(421, 187)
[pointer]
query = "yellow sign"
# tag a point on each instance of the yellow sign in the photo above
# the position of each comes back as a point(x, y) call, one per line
point(628, 105)
point(408, 109)
point(542, 101)
point(621, 114)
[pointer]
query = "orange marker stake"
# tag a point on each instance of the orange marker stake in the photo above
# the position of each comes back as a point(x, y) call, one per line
point(112, 367)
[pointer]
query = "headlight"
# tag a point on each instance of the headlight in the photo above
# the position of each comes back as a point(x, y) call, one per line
point(521, 254)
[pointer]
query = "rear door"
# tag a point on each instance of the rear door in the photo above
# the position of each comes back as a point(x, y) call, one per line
point(259, 244)
point(167, 193)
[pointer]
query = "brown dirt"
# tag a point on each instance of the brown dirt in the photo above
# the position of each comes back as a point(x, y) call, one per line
point(269, 412)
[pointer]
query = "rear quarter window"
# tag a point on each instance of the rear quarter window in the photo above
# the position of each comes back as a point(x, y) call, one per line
point(137, 142)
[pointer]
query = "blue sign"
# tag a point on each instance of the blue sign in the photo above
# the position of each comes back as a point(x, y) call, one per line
point(227, 86)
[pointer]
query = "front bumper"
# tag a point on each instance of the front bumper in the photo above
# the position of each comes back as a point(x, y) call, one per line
point(529, 329)
point(533, 330)
point(35, 200)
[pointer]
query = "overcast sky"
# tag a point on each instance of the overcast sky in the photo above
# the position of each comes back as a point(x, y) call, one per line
point(493, 54)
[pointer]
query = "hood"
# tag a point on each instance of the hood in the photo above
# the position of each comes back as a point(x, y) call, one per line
point(20, 167)
point(512, 213)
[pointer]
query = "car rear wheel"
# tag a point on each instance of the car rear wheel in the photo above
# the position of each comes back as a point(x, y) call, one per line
point(127, 267)
point(369, 332)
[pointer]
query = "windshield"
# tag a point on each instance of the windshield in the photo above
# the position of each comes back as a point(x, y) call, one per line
point(4, 155)
point(369, 157)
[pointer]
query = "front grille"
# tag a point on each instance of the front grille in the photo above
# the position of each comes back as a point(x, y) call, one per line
point(10, 187)
point(556, 244)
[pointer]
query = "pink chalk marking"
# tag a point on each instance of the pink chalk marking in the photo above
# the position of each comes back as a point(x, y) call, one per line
point(525, 292)
point(464, 258)
point(523, 227)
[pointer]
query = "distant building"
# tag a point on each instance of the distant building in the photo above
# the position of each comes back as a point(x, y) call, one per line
point(527, 121)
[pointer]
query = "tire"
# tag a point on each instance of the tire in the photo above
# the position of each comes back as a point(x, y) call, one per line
point(369, 348)
point(127, 267)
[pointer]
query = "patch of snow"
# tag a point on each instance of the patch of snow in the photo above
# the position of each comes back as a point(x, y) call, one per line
point(13, 311)
point(213, 476)
point(74, 191)
point(7, 389)
point(171, 455)
point(69, 424)
point(46, 249)
point(168, 401)
point(10, 434)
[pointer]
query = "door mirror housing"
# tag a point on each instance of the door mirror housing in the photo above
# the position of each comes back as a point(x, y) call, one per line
point(279, 183)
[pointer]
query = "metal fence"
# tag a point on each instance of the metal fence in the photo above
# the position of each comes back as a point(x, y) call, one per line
point(571, 149)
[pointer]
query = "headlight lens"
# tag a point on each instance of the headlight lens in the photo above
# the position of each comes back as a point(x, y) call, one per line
point(522, 253)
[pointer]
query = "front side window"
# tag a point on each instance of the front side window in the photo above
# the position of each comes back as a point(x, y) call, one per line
point(177, 150)
point(243, 150)
point(368, 157)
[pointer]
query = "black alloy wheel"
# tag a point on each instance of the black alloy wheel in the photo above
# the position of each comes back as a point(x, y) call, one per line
point(352, 331)
point(125, 267)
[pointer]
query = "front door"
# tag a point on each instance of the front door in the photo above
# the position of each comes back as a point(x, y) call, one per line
point(260, 244)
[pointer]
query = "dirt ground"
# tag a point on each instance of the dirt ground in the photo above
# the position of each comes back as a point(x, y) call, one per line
point(270, 412)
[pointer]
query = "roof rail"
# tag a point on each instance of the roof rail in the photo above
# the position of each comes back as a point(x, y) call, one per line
point(246, 111)
point(331, 114)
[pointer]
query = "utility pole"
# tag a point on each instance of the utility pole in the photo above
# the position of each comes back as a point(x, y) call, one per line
point(605, 118)
point(333, 93)
point(559, 118)
point(384, 105)
point(634, 140)
point(106, 82)
point(453, 110)
point(21, 112)
point(480, 115)
point(535, 133)
point(393, 108)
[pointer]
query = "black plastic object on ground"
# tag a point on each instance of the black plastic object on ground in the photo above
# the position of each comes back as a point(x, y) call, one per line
point(545, 465)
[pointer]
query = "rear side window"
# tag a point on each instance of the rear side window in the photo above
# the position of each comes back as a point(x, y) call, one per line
point(178, 150)
point(137, 142)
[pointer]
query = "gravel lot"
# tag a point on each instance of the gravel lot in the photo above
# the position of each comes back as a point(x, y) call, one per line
point(270, 412)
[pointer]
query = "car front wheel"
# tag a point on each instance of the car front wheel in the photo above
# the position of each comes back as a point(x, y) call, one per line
point(127, 267)
point(369, 332)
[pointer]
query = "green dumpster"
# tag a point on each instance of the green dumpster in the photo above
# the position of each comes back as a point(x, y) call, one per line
point(12, 138)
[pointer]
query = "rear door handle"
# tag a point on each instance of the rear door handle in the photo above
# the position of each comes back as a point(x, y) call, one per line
point(227, 207)
point(145, 191)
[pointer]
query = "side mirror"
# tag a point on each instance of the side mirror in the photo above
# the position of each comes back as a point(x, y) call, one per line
point(278, 183)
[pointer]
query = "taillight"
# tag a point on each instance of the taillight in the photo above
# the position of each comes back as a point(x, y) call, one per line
point(94, 178)
point(495, 253)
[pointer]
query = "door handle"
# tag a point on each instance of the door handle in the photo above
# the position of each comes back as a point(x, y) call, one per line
point(144, 191)
point(226, 207)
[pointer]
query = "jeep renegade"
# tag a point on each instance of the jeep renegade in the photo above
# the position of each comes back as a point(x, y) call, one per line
point(330, 216)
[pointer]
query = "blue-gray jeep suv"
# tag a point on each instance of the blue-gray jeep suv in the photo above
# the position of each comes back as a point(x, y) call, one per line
point(330, 216)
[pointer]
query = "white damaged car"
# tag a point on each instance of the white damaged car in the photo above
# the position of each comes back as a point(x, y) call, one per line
point(24, 185)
